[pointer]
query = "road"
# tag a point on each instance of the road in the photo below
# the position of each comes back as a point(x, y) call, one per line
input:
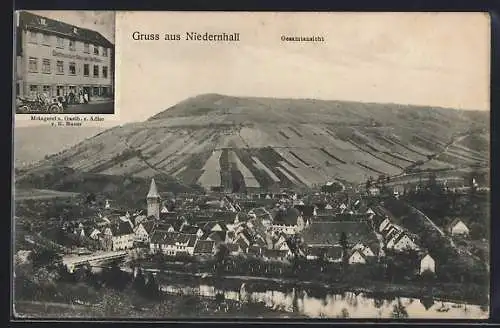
point(458, 249)
point(92, 108)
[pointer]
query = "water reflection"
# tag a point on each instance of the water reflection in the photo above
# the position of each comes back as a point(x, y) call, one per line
point(320, 304)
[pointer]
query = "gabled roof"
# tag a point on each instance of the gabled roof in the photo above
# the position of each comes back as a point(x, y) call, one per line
point(31, 21)
point(242, 243)
point(158, 237)
point(329, 233)
point(149, 226)
point(204, 247)
point(456, 221)
point(259, 242)
point(153, 191)
point(121, 228)
point(352, 252)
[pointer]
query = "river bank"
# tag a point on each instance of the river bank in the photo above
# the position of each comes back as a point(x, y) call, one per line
point(440, 292)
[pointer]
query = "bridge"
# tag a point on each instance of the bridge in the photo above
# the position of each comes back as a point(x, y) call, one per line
point(72, 261)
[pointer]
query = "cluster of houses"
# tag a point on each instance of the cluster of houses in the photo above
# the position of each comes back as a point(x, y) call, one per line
point(324, 231)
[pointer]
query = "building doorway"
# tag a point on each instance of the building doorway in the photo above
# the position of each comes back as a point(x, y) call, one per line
point(86, 90)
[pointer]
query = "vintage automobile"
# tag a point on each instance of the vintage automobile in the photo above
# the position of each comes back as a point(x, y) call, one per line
point(39, 104)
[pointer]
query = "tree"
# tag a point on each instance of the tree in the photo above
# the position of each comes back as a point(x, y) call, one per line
point(220, 256)
point(45, 257)
point(152, 289)
point(322, 258)
point(345, 248)
point(399, 311)
point(139, 282)
point(369, 183)
point(344, 314)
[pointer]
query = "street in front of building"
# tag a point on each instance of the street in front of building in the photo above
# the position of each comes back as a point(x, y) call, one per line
point(102, 107)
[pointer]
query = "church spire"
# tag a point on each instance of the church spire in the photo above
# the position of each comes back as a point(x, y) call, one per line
point(153, 191)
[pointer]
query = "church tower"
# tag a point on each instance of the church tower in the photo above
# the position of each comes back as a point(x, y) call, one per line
point(153, 200)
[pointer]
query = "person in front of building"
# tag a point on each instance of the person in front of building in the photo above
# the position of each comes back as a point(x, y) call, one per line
point(86, 97)
point(80, 97)
point(71, 97)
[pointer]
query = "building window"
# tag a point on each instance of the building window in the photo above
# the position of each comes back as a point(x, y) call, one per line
point(95, 91)
point(33, 64)
point(105, 52)
point(86, 47)
point(46, 90)
point(60, 90)
point(46, 66)
point(60, 67)
point(33, 90)
point(96, 71)
point(33, 37)
point(96, 50)
point(72, 68)
point(72, 45)
point(60, 42)
point(43, 21)
point(46, 39)
point(86, 70)
point(105, 72)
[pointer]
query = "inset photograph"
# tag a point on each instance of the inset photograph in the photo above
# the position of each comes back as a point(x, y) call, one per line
point(64, 62)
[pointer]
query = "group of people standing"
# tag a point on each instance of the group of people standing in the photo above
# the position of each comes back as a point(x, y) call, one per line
point(72, 98)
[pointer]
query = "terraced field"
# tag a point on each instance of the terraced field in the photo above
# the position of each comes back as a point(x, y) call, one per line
point(211, 139)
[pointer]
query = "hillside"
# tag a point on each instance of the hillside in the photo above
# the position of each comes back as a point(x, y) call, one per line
point(32, 143)
point(216, 140)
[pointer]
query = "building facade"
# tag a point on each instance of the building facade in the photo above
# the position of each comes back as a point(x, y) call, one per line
point(57, 59)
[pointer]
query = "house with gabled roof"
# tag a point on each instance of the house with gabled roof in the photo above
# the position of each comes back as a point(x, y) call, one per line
point(365, 249)
point(385, 223)
point(281, 244)
point(172, 243)
point(458, 228)
point(119, 236)
point(287, 220)
point(144, 230)
point(357, 257)
point(323, 234)
point(401, 242)
point(427, 263)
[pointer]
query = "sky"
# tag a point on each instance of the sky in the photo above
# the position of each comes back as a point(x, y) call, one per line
point(435, 59)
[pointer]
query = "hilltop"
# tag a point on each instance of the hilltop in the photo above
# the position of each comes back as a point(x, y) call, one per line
point(234, 142)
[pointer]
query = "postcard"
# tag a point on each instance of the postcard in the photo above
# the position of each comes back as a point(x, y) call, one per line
point(240, 165)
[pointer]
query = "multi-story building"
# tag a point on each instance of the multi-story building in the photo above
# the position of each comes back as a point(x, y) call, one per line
point(57, 59)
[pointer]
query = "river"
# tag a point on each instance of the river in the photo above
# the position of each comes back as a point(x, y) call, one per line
point(331, 305)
